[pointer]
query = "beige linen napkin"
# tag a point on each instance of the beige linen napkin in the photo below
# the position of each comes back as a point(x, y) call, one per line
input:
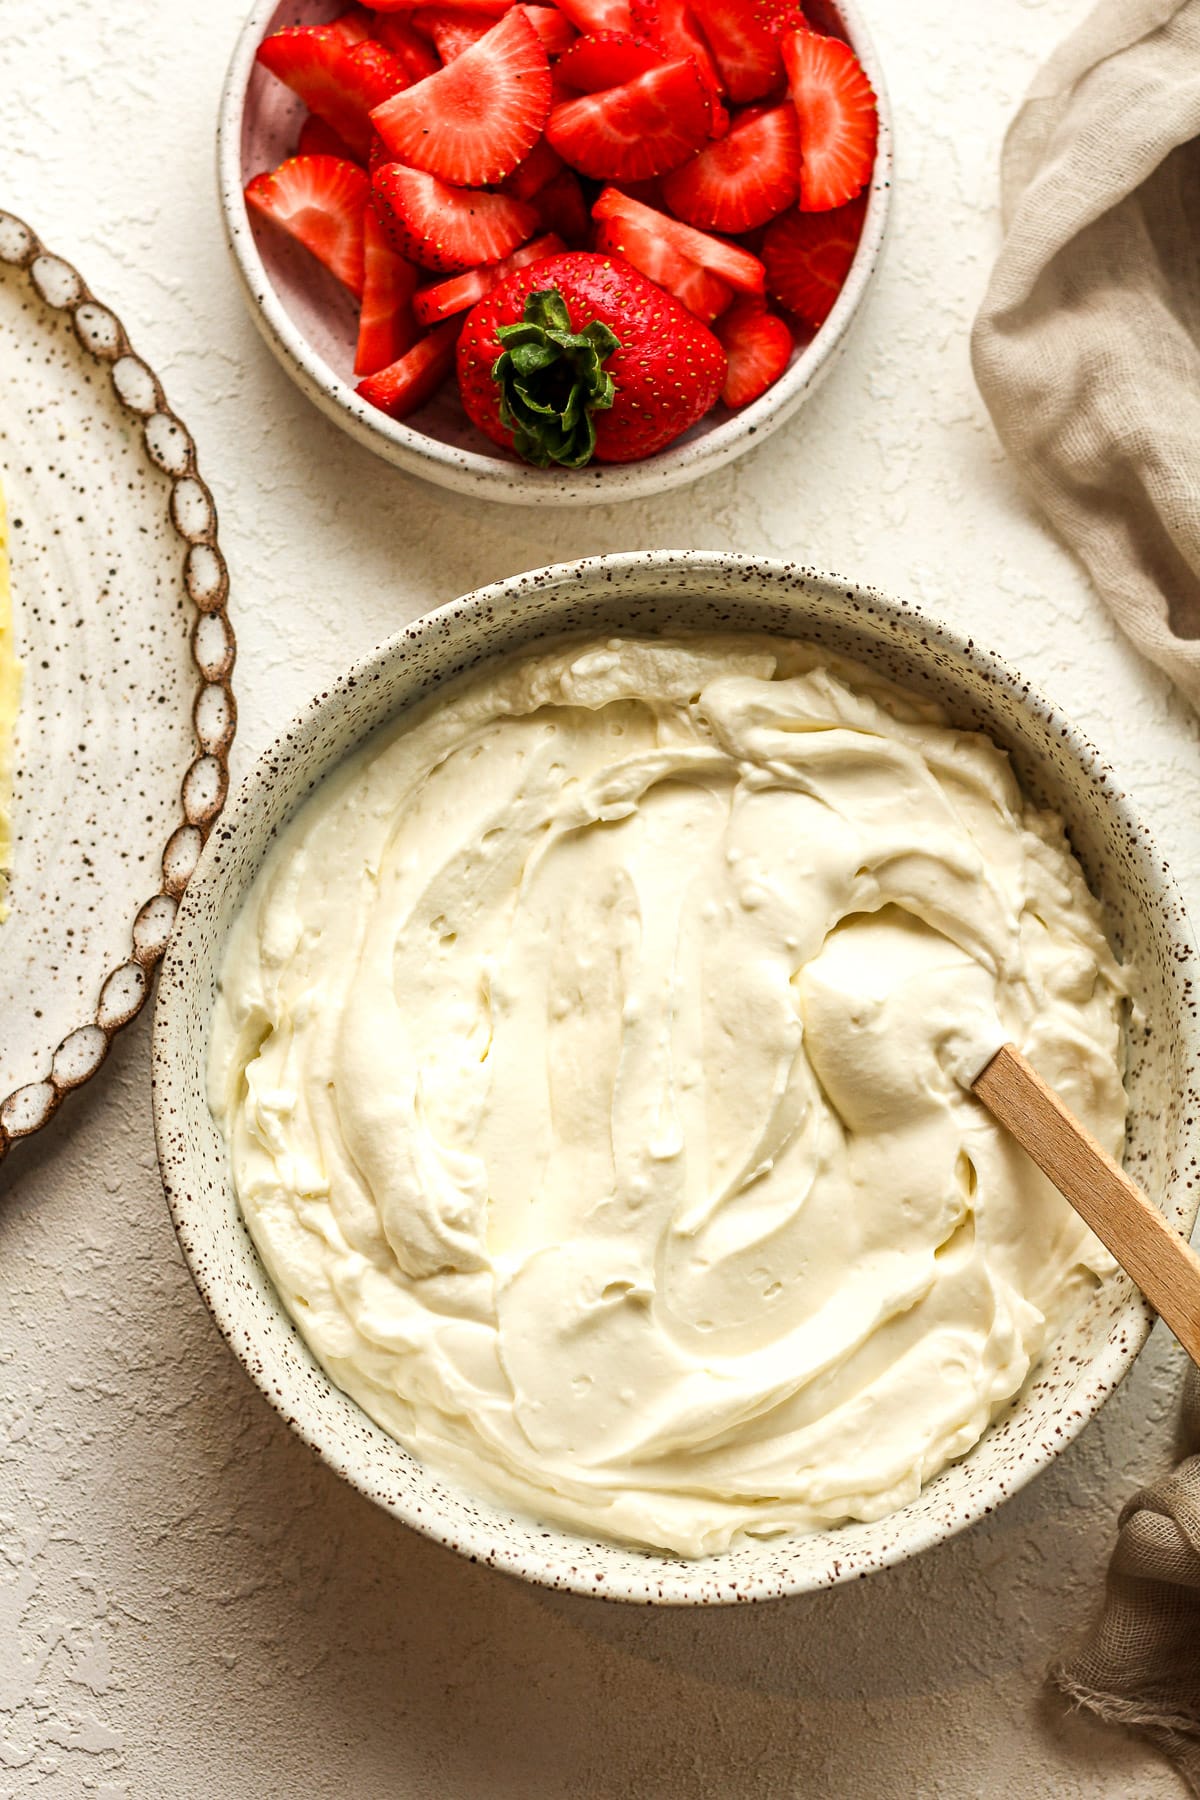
point(1141, 1664)
point(1087, 346)
point(1087, 352)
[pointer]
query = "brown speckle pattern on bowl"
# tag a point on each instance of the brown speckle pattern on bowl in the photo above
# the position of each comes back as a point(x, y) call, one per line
point(646, 592)
point(124, 726)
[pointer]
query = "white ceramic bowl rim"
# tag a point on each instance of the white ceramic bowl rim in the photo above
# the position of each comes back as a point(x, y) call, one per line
point(665, 1580)
point(494, 476)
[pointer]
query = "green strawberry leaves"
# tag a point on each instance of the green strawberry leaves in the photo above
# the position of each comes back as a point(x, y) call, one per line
point(551, 380)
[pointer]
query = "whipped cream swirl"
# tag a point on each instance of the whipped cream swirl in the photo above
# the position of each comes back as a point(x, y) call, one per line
point(591, 1053)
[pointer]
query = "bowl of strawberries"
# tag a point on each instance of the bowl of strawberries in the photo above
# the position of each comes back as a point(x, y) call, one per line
point(563, 252)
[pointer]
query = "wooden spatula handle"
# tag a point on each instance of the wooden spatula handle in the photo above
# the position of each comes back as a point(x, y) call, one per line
point(1163, 1265)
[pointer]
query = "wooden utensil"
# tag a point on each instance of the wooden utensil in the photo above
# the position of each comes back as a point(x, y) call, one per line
point(1130, 1226)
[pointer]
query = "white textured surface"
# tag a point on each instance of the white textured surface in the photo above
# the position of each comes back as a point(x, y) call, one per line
point(188, 1604)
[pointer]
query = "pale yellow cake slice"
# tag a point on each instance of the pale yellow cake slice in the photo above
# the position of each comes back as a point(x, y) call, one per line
point(10, 687)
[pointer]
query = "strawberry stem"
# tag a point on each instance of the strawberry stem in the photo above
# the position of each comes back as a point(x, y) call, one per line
point(552, 380)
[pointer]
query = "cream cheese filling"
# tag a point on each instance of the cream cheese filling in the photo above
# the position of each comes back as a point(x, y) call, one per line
point(590, 1051)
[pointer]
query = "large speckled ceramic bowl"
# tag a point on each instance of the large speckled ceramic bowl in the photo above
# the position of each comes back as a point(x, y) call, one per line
point(309, 319)
point(650, 592)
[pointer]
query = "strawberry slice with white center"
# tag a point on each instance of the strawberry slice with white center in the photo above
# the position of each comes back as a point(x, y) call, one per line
point(808, 256)
point(472, 123)
point(644, 127)
point(747, 53)
point(448, 228)
point(728, 262)
point(671, 25)
point(412, 381)
point(460, 293)
point(835, 105)
point(605, 59)
point(386, 325)
point(407, 45)
point(320, 201)
point(337, 80)
point(758, 346)
point(597, 15)
point(703, 294)
point(745, 179)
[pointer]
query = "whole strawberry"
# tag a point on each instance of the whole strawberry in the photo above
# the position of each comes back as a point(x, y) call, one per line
point(581, 356)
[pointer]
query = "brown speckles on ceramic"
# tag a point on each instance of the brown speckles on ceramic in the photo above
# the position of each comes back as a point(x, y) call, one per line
point(127, 713)
point(644, 593)
point(309, 319)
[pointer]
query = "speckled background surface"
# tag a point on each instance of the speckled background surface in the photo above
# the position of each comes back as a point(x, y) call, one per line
point(189, 1606)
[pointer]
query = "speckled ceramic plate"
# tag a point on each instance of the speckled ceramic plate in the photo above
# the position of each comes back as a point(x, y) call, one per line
point(668, 591)
point(126, 713)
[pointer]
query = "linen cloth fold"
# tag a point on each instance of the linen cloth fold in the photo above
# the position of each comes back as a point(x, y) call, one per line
point(1087, 352)
point(1141, 1663)
point(1087, 346)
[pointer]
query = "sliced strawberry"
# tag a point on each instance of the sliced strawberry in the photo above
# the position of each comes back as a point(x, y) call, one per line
point(417, 376)
point(808, 257)
point(727, 261)
point(532, 172)
point(493, 9)
point(561, 207)
point(670, 25)
point(473, 122)
point(745, 179)
point(378, 73)
point(353, 26)
point(758, 347)
point(554, 28)
point(643, 127)
point(461, 292)
point(835, 105)
point(605, 59)
point(319, 200)
point(703, 294)
point(649, 192)
point(448, 228)
point(319, 139)
point(407, 45)
point(598, 15)
point(338, 81)
point(386, 326)
point(454, 32)
point(780, 16)
point(747, 53)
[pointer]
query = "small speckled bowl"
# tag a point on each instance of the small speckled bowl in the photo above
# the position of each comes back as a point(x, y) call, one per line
point(649, 592)
point(309, 319)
